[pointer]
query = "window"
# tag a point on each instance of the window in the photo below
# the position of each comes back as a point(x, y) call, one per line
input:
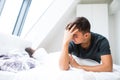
point(2, 2)
point(9, 15)
point(42, 19)
point(37, 10)
point(21, 17)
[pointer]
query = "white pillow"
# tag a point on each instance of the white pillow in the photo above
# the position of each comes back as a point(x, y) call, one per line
point(10, 42)
point(88, 62)
point(40, 55)
point(54, 58)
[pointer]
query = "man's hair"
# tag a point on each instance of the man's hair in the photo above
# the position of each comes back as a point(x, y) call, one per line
point(82, 24)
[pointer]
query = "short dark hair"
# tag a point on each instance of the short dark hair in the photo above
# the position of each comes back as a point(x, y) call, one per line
point(82, 24)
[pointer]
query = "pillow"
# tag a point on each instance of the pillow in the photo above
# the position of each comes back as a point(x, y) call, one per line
point(88, 62)
point(40, 54)
point(54, 58)
point(10, 42)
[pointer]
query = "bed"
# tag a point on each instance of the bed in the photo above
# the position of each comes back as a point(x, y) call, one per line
point(48, 68)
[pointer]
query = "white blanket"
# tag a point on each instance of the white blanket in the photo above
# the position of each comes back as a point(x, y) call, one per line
point(49, 70)
point(15, 61)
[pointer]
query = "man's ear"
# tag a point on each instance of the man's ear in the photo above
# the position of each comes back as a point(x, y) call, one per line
point(86, 35)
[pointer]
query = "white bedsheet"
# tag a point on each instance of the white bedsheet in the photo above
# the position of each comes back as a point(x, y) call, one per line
point(49, 70)
point(4, 75)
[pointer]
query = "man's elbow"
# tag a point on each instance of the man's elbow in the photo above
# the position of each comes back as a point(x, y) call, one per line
point(109, 69)
point(64, 68)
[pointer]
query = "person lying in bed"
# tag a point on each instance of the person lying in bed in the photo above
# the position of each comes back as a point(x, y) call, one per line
point(30, 51)
point(81, 42)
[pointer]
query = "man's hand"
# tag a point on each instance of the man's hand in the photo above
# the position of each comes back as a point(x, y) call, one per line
point(69, 32)
point(73, 63)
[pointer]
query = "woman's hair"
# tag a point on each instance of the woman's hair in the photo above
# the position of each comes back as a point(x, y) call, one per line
point(82, 24)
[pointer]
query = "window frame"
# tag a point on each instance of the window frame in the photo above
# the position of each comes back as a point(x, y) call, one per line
point(21, 17)
point(2, 3)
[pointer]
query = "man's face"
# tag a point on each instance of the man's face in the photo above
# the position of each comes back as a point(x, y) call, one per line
point(79, 37)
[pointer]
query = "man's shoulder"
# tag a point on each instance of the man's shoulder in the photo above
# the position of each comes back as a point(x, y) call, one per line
point(97, 36)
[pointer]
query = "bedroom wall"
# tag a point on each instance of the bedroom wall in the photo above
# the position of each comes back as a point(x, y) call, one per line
point(112, 36)
point(115, 35)
point(114, 30)
point(53, 41)
point(118, 36)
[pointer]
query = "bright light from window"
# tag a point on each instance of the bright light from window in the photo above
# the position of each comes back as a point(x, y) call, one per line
point(37, 9)
point(9, 15)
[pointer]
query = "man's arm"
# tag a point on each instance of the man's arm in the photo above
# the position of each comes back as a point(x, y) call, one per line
point(64, 58)
point(105, 66)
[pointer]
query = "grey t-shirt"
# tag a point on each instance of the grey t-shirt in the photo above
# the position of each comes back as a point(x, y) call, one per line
point(99, 46)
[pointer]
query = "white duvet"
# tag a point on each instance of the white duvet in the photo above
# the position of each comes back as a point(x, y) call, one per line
point(49, 70)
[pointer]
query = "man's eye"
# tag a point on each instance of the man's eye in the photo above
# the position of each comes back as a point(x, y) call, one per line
point(75, 35)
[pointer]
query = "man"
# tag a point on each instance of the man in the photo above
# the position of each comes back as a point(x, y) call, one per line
point(79, 41)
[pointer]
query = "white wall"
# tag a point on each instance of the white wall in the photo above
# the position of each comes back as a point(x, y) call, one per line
point(53, 40)
point(114, 29)
point(115, 35)
point(118, 36)
point(112, 37)
point(56, 35)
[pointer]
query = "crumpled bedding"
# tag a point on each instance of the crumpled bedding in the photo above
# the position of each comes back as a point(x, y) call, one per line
point(16, 61)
